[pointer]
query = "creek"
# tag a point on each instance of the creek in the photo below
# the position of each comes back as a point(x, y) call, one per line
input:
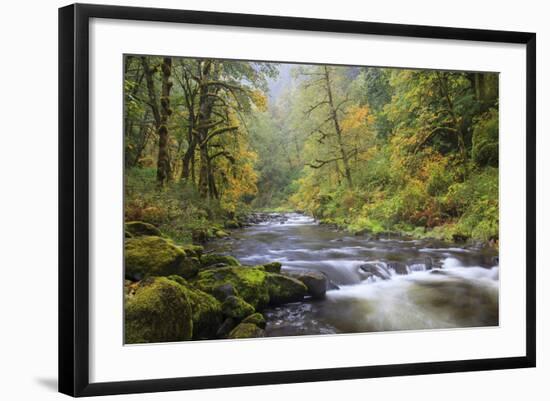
point(375, 283)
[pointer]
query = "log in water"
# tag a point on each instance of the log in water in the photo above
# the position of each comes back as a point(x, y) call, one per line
point(375, 284)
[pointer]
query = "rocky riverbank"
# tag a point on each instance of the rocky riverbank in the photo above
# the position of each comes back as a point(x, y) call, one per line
point(176, 292)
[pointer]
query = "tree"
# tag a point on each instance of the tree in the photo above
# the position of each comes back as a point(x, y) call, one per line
point(330, 107)
point(161, 112)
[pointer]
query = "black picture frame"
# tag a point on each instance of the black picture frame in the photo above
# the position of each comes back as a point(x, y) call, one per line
point(74, 198)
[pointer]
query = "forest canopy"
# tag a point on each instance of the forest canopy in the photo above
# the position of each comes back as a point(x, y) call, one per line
point(369, 149)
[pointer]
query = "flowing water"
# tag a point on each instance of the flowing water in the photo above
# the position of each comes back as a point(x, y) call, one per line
point(375, 284)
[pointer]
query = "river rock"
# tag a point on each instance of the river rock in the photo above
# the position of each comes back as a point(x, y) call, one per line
point(156, 256)
point(284, 289)
point(139, 228)
point(210, 260)
point(371, 269)
point(398, 267)
point(223, 291)
point(236, 308)
point(257, 319)
point(246, 330)
point(248, 282)
point(316, 283)
point(253, 284)
point(206, 311)
point(272, 267)
point(158, 311)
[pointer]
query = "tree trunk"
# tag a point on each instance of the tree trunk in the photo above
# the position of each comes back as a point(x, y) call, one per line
point(164, 171)
point(338, 130)
point(205, 112)
point(143, 137)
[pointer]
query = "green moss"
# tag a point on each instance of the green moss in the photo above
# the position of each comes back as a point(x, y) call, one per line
point(236, 307)
point(156, 256)
point(249, 282)
point(257, 319)
point(158, 311)
point(223, 291)
point(221, 234)
point(213, 259)
point(284, 289)
point(273, 267)
point(192, 250)
point(246, 330)
point(206, 310)
point(138, 228)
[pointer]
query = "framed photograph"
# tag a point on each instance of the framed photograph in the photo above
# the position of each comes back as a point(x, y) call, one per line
point(249, 199)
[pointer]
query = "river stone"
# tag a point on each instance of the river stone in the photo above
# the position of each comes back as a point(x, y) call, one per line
point(374, 270)
point(158, 311)
point(284, 289)
point(139, 228)
point(273, 267)
point(399, 267)
point(315, 282)
point(257, 319)
point(206, 310)
point(236, 308)
point(211, 259)
point(223, 291)
point(248, 282)
point(246, 330)
point(148, 256)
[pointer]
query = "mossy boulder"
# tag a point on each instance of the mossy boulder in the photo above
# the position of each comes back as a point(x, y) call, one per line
point(139, 228)
point(284, 289)
point(273, 267)
point(236, 307)
point(246, 330)
point(158, 311)
point(257, 319)
point(223, 291)
point(253, 284)
point(156, 256)
point(249, 283)
point(194, 251)
point(206, 311)
point(218, 260)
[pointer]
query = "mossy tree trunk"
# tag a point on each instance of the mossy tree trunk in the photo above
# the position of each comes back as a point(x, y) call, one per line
point(206, 105)
point(164, 170)
point(161, 112)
